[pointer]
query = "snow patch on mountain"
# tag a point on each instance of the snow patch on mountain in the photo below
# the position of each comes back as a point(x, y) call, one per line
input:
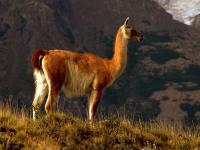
point(181, 10)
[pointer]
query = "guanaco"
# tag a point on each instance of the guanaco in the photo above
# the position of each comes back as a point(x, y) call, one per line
point(79, 74)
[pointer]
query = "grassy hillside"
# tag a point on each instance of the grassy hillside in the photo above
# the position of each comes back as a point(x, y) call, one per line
point(61, 131)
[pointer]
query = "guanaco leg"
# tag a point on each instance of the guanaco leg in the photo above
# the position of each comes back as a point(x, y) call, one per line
point(93, 101)
point(41, 90)
point(55, 79)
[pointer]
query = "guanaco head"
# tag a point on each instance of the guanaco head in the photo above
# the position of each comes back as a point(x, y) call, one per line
point(130, 33)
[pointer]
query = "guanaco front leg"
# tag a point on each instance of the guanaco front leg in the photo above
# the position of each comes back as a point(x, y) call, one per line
point(93, 101)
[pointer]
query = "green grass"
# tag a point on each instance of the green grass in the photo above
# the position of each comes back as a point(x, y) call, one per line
point(63, 131)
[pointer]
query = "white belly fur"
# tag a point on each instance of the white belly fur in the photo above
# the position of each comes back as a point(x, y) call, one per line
point(77, 82)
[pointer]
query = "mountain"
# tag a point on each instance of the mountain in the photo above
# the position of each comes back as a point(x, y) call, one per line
point(183, 11)
point(196, 22)
point(162, 75)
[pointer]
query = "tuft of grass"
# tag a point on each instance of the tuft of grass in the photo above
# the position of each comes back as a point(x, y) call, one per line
point(63, 131)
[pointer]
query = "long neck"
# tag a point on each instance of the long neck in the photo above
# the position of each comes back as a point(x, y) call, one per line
point(119, 58)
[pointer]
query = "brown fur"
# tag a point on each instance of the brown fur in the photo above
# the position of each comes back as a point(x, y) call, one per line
point(35, 57)
point(78, 74)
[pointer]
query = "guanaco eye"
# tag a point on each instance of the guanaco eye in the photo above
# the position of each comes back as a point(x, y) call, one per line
point(133, 32)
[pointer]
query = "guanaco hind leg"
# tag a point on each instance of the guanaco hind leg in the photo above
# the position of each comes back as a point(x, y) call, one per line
point(55, 78)
point(41, 90)
point(52, 100)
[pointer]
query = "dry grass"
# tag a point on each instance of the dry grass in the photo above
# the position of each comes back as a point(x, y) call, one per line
point(61, 131)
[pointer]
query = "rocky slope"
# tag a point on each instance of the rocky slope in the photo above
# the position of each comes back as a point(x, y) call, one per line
point(162, 75)
point(196, 22)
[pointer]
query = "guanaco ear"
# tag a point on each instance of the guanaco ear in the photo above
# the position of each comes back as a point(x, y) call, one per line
point(126, 21)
